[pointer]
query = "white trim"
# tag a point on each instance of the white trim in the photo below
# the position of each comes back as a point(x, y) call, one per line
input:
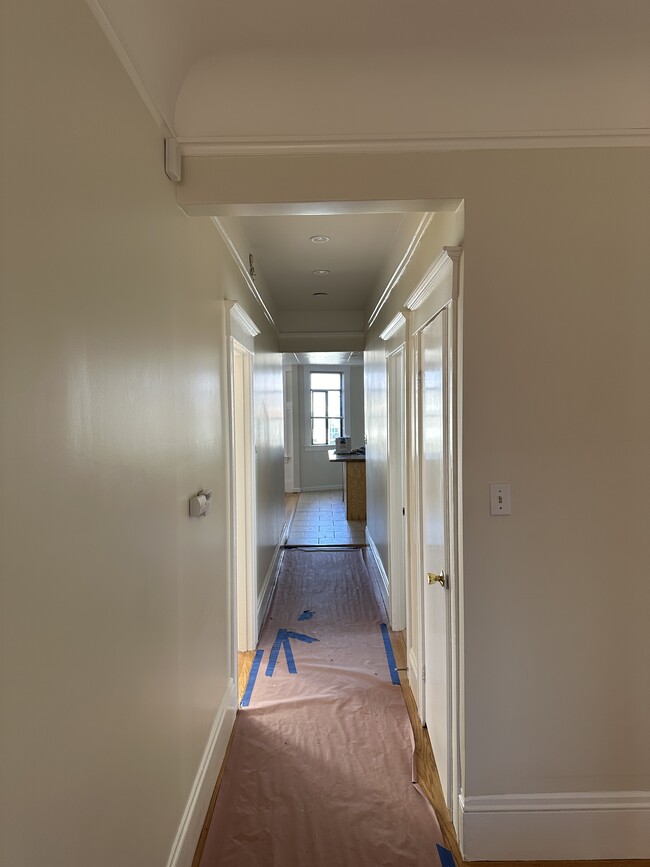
point(316, 488)
point(383, 587)
point(232, 249)
point(265, 594)
point(242, 318)
point(556, 826)
point(413, 676)
point(131, 69)
point(393, 326)
point(441, 265)
point(423, 225)
point(321, 335)
point(189, 830)
point(414, 143)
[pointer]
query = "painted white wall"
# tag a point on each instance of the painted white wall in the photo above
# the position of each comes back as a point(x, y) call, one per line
point(316, 471)
point(115, 606)
point(555, 367)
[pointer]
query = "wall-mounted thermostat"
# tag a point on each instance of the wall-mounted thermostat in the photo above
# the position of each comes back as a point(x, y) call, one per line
point(200, 504)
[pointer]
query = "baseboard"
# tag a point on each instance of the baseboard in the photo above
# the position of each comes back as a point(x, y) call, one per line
point(383, 584)
point(572, 826)
point(313, 490)
point(264, 598)
point(189, 830)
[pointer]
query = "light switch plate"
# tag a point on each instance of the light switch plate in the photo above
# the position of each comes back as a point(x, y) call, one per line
point(500, 499)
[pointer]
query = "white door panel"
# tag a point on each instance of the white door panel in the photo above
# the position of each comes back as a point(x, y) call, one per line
point(434, 469)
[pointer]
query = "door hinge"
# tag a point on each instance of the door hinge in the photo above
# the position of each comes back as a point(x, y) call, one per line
point(419, 379)
point(403, 510)
point(424, 674)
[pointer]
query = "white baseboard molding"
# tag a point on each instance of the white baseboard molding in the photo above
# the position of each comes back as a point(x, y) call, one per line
point(264, 598)
point(383, 584)
point(573, 826)
point(189, 830)
point(316, 489)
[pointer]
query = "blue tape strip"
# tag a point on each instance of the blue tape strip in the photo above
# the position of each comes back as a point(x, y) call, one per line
point(252, 677)
point(288, 652)
point(392, 665)
point(300, 636)
point(275, 652)
point(446, 858)
point(306, 615)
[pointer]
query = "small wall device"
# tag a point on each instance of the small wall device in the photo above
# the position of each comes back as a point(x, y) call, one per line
point(200, 504)
point(343, 446)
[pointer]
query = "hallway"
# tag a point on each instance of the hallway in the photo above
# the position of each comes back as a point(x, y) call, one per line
point(320, 766)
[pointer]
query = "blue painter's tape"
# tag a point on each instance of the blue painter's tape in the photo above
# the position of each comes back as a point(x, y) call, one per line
point(300, 636)
point(306, 615)
point(446, 858)
point(252, 677)
point(275, 652)
point(288, 652)
point(283, 639)
point(390, 656)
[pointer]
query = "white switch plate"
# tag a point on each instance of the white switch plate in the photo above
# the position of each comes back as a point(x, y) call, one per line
point(500, 499)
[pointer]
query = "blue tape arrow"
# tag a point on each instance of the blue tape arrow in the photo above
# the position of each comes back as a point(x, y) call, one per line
point(446, 858)
point(283, 640)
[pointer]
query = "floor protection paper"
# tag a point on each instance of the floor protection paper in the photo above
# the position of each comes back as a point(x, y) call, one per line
point(320, 768)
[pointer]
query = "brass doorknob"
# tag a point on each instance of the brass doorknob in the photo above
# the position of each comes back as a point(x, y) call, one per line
point(437, 578)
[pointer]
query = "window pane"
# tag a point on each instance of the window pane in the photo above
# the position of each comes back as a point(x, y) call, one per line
point(334, 429)
point(333, 403)
point(318, 403)
point(325, 380)
point(318, 437)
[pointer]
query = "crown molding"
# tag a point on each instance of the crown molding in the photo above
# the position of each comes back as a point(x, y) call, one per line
point(440, 267)
point(242, 318)
point(232, 249)
point(321, 335)
point(413, 143)
point(118, 46)
point(401, 268)
point(393, 326)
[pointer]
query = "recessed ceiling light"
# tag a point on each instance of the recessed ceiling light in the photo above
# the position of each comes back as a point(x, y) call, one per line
point(319, 239)
point(315, 294)
point(320, 272)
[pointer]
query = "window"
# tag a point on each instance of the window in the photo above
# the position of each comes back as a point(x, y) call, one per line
point(326, 401)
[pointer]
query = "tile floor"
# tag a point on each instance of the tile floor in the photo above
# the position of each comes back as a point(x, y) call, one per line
point(319, 519)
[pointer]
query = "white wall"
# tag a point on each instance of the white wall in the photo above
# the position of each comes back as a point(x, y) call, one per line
point(115, 610)
point(556, 362)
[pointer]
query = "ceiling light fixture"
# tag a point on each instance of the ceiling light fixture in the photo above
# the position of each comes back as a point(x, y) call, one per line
point(319, 239)
point(320, 272)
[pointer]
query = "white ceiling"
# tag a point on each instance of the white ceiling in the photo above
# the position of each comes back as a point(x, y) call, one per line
point(286, 258)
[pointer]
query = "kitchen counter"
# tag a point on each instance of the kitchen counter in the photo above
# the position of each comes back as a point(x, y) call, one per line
point(354, 483)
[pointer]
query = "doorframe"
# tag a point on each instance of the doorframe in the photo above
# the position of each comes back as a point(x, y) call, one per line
point(394, 336)
point(241, 332)
point(439, 288)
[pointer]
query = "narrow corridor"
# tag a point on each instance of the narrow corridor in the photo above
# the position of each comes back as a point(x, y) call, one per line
point(320, 768)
